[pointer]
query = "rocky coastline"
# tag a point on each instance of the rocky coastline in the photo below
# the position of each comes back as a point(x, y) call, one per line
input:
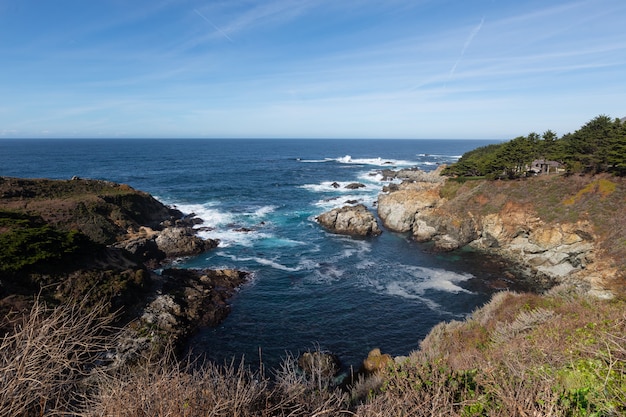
point(129, 236)
point(134, 235)
point(545, 253)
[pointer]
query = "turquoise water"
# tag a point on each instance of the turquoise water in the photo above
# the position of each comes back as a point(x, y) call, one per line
point(260, 197)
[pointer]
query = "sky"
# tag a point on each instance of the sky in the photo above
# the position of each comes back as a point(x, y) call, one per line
point(429, 69)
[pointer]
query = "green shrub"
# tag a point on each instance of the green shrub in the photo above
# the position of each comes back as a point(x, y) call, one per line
point(28, 244)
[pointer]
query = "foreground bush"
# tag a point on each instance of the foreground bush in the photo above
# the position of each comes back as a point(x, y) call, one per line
point(562, 354)
point(559, 354)
point(46, 361)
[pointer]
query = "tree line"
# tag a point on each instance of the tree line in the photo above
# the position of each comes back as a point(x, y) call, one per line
point(598, 146)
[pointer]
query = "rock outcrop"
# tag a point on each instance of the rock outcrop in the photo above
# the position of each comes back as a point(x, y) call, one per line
point(107, 213)
point(192, 298)
point(354, 186)
point(102, 210)
point(397, 210)
point(181, 241)
point(414, 175)
point(546, 251)
point(186, 300)
point(350, 220)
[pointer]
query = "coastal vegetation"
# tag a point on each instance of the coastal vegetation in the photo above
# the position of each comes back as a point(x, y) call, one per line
point(598, 146)
point(558, 354)
point(70, 296)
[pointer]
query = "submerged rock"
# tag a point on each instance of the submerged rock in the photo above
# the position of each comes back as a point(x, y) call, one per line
point(350, 220)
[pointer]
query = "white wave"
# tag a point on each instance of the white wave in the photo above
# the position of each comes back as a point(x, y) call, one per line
point(230, 237)
point(275, 265)
point(347, 159)
point(372, 177)
point(308, 264)
point(397, 290)
point(331, 203)
point(411, 282)
point(305, 264)
point(338, 187)
point(424, 279)
point(211, 216)
point(326, 275)
point(264, 211)
point(434, 155)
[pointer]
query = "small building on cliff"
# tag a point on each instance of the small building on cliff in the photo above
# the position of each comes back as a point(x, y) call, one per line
point(543, 166)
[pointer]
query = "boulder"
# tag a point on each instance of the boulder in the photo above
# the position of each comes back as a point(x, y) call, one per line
point(350, 220)
point(181, 241)
point(354, 186)
point(146, 249)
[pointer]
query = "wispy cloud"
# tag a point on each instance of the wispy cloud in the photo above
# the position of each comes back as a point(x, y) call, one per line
point(466, 45)
point(221, 32)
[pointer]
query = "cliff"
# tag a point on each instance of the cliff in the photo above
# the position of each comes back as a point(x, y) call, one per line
point(555, 228)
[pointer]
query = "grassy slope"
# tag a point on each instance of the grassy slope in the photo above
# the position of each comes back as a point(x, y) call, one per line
point(101, 210)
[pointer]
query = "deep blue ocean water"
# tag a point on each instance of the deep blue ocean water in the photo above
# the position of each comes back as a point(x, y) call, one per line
point(310, 288)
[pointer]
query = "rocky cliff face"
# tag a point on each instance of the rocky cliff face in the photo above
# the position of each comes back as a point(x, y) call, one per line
point(507, 223)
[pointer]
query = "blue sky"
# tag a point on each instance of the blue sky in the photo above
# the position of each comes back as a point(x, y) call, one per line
point(491, 69)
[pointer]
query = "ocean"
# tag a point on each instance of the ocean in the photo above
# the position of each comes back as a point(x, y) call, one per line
point(310, 289)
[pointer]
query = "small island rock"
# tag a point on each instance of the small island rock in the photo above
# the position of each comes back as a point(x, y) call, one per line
point(350, 220)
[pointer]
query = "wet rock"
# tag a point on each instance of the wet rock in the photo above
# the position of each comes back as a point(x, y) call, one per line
point(354, 186)
point(187, 300)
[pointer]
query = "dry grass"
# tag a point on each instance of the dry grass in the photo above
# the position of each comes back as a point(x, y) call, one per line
point(46, 360)
point(560, 354)
point(164, 388)
point(168, 388)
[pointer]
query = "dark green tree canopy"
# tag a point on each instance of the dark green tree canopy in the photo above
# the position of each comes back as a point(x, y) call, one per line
point(598, 146)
